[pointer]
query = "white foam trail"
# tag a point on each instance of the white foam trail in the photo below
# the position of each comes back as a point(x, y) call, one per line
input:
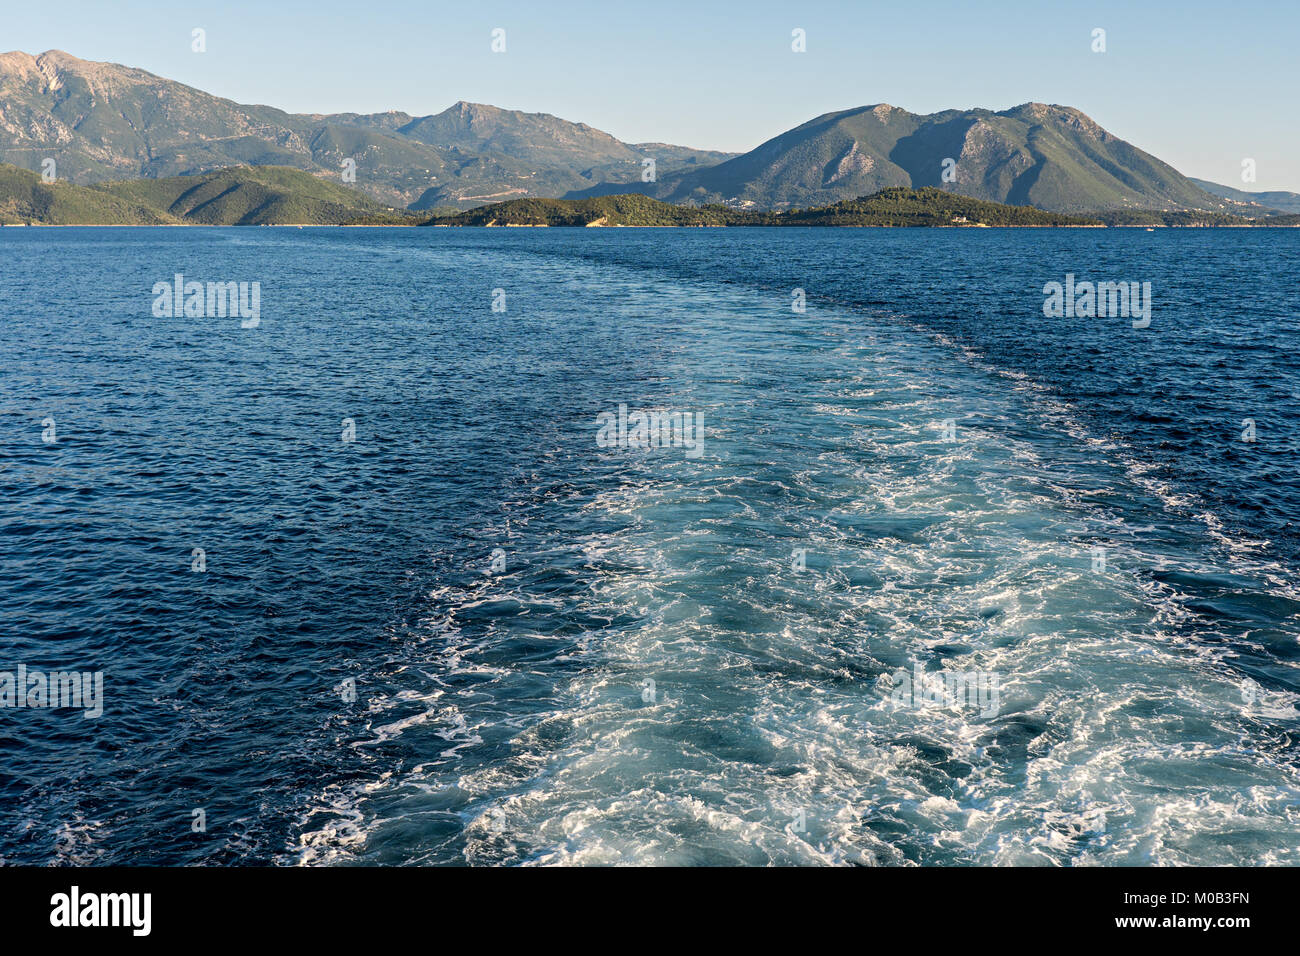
point(769, 736)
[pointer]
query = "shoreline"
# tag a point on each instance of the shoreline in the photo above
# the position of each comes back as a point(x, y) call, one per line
point(545, 225)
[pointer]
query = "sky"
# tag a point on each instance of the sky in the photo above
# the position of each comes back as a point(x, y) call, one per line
point(1203, 86)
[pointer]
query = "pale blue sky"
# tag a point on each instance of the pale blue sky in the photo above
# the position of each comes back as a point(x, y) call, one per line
point(1201, 85)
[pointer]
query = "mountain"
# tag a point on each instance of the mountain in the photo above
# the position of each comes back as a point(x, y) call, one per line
point(1258, 202)
point(1051, 157)
point(532, 137)
point(238, 196)
point(103, 121)
point(548, 156)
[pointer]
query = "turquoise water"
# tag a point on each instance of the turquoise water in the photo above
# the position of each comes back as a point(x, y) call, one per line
point(567, 652)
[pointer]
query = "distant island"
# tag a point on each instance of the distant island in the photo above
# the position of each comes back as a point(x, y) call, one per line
point(890, 207)
point(279, 195)
point(896, 207)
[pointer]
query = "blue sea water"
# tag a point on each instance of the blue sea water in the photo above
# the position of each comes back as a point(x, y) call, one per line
point(568, 653)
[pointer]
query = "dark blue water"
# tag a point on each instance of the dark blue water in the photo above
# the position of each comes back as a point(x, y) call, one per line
point(1147, 709)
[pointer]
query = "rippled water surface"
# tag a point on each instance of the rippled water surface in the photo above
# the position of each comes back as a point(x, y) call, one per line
point(568, 653)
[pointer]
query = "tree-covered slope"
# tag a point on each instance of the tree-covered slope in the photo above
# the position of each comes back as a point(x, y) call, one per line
point(928, 206)
point(624, 210)
point(263, 195)
point(25, 199)
point(250, 195)
point(891, 207)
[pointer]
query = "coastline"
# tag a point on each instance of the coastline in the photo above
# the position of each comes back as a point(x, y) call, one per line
point(546, 225)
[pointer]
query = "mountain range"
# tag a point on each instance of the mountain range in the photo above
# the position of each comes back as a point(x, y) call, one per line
point(104, 122)
point(1280, 200)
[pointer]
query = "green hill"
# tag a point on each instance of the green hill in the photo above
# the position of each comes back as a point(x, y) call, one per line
point(625, 210)
point(927, 207)
point(890, 207)
point(251, 195)
point(24, 198)
point(241, 196)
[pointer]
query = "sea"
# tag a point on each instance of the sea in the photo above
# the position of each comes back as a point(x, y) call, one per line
point(648, 547)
